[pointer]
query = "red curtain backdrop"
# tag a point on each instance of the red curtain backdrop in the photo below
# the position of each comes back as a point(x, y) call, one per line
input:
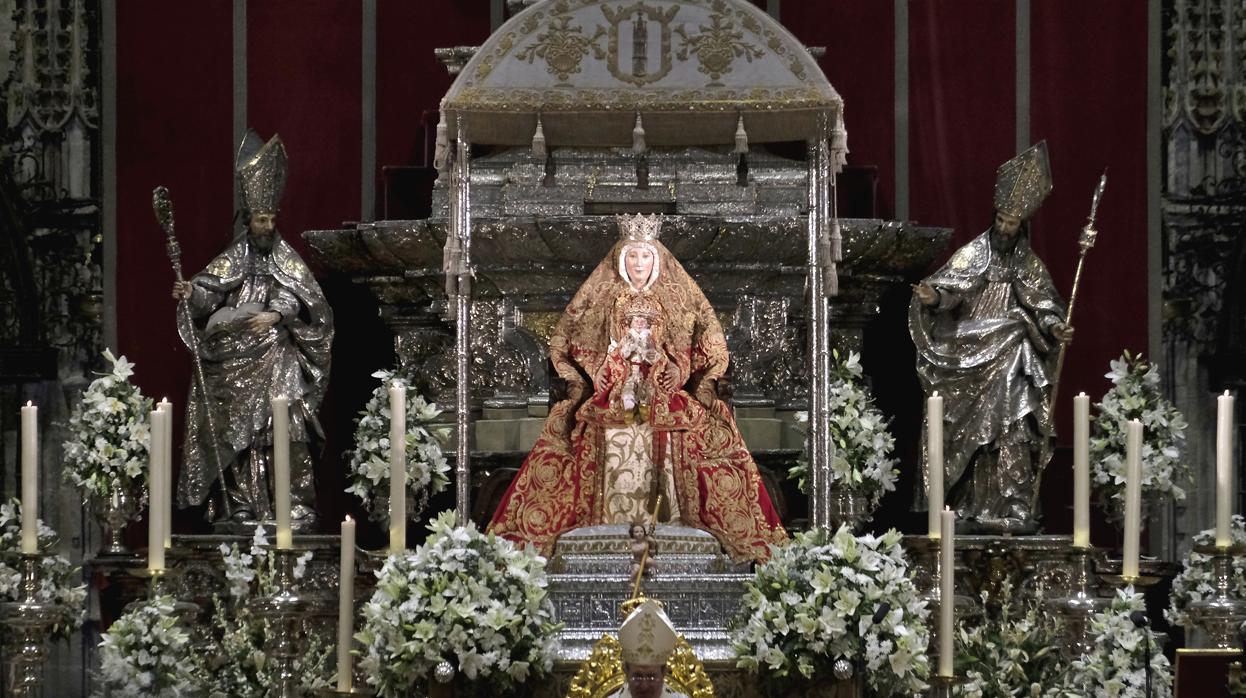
point(1088, 91)
point(174, 116)
point(409, 79)
point(1088, 97)
point(304, 67)
point(304, 62)
point(962, 97)
point(859, 38)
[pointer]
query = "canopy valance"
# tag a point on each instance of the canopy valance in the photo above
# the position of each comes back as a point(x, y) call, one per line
point(689, 69)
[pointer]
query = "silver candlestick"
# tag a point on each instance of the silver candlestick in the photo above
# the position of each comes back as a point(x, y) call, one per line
point(29, 622)
point(943, 686)
point(1081, 603)
point(1221, 614)
point(285, 608)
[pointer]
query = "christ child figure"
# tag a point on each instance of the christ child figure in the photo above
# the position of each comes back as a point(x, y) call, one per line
point(638, 350)
point(643, 547)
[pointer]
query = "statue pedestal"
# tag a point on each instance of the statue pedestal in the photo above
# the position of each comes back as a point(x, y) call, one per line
point(984, 564)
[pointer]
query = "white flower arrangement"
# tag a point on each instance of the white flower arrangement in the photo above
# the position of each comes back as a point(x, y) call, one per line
point(1135, 394)
point(815, 601)
point(236, 669)
point(253, 572)
point(862, 461)
point(1116, 668)
point(61, 582)
point(109, 435)
point(1197, 582)
point(146, 653)
point(1007, 653)
point(427, 470)
point(464, 597)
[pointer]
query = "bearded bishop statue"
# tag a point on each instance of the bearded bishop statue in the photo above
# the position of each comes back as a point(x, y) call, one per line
point(263, 329)
point(988, 328)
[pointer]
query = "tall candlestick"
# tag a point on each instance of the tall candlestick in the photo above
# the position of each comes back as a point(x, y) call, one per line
point(281, 470)
point(1224, 468)
point(155, 507)
point(934, 461)
point(30, 478)
point(1133, 497)
point(166, 472)
point(346, 607)
point(947, 591)
point(1081, 471)
point(397, 467)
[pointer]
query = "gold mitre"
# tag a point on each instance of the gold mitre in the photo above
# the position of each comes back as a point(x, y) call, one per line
point(1023, 182)
point(647, 636)
point(639, 228)
point(261, 169)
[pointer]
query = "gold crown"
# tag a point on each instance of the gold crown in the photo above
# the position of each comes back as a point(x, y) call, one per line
point(261, 169)
point(642, 304)
point(1023, 182)
point(639, 228)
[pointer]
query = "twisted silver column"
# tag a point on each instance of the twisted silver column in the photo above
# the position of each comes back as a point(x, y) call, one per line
point(461, 226)
point(820, 444)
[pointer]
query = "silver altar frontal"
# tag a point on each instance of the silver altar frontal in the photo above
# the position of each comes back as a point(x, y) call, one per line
point(699, 586)
point(707, 111)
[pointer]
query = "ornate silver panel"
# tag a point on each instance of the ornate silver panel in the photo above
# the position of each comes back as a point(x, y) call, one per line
point(700, 605)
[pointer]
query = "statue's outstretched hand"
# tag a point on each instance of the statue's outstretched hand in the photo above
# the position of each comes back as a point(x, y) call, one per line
point(926, 294)
point(182, 290)
point(1062, 332)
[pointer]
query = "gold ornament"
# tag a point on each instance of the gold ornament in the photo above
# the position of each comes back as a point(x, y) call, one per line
point(602, 673)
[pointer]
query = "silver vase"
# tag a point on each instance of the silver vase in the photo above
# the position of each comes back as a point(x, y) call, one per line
point(113, 514)
point(845, 507)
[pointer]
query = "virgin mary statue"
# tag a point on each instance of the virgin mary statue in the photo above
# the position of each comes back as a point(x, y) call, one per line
point(641, 351)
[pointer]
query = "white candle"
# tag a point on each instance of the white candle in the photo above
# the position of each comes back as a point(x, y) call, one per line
point(30, 478)
point(947, 591)
point(1081, 471)
point(934, 461)
point(281, 470)
point(397, 467)
point(155, 508)
point(166, 473)
point(346, 606)
point(1133, 497)
point(1224, 468)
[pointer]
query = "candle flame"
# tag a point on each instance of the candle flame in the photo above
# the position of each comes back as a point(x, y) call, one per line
point(30, 403)
point(348, 519)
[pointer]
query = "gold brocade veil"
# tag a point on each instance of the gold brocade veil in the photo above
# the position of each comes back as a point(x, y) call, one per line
point(582, 336)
